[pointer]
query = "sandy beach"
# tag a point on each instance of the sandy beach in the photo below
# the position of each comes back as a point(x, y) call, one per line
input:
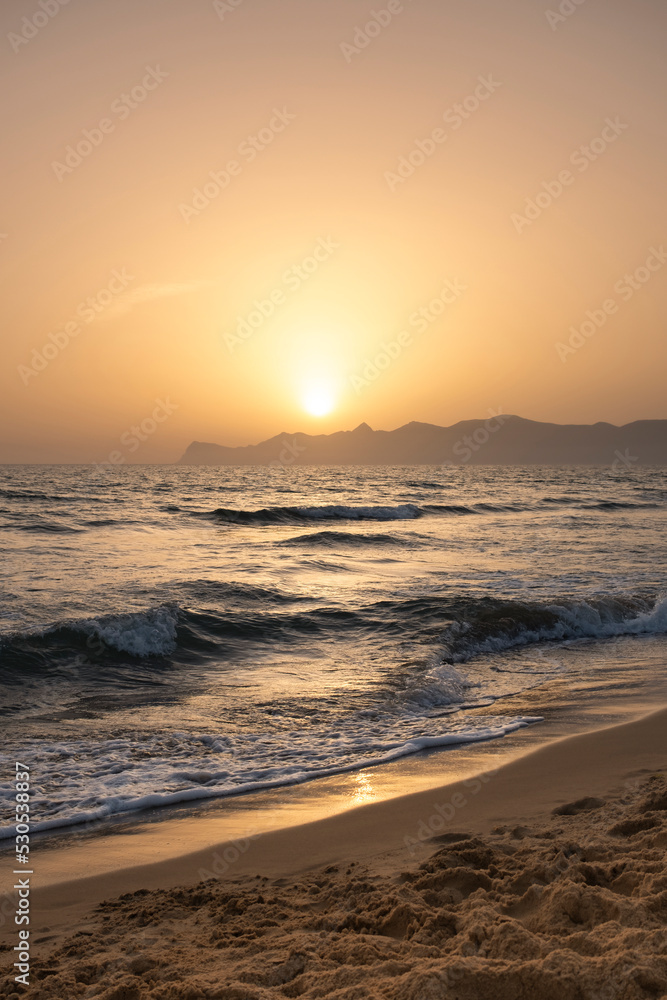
point(545, 878)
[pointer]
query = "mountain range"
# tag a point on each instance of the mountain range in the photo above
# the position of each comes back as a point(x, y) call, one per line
point(500, 439)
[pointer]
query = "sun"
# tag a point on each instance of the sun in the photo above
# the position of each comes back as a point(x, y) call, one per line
point(318, 399)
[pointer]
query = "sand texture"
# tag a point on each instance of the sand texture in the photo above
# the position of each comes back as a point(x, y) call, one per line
point(573, 907)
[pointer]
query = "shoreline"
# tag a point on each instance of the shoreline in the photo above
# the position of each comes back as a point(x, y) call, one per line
point(389, 834)
point(630, 684)
point(553, 712)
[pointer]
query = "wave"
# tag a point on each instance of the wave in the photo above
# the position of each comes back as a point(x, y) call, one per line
point(565, 501)
point(297, 515)
point(44, 528)
point(166, 634)
point(111, 522)
point(29, 495)
point(300, 515)
point(139, 635)
point(328, 539)
point(618, 505)
point(460, 509)
point(144, 634)
point(496, 626)
point(125, 776)
point(418, 485)
point(462, 629)
point(401, 512)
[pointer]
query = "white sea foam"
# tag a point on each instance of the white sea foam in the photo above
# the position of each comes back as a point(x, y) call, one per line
point(87, 780)
point(146, 633)
point(603, 619)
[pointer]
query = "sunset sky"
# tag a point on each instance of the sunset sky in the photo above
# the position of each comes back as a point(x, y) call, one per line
point(374, 166)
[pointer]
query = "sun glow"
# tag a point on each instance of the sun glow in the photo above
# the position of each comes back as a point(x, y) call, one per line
point(318, 399)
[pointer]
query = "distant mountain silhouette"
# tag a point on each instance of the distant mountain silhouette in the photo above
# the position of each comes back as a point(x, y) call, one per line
point(498, 440)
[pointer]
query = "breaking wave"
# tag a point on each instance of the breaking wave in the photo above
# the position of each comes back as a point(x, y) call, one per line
point(401, 512)
point(461, 629)
point(495, 626)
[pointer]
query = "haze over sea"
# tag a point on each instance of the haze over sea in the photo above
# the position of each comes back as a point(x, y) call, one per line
point(173, 634)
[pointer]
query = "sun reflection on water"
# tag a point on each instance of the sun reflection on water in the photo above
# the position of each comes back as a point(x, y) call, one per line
point(363, 789)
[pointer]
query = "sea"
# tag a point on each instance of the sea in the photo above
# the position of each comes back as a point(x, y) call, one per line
point(174, 634)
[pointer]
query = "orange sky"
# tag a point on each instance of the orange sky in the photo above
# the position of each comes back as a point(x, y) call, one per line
point(238, 208)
